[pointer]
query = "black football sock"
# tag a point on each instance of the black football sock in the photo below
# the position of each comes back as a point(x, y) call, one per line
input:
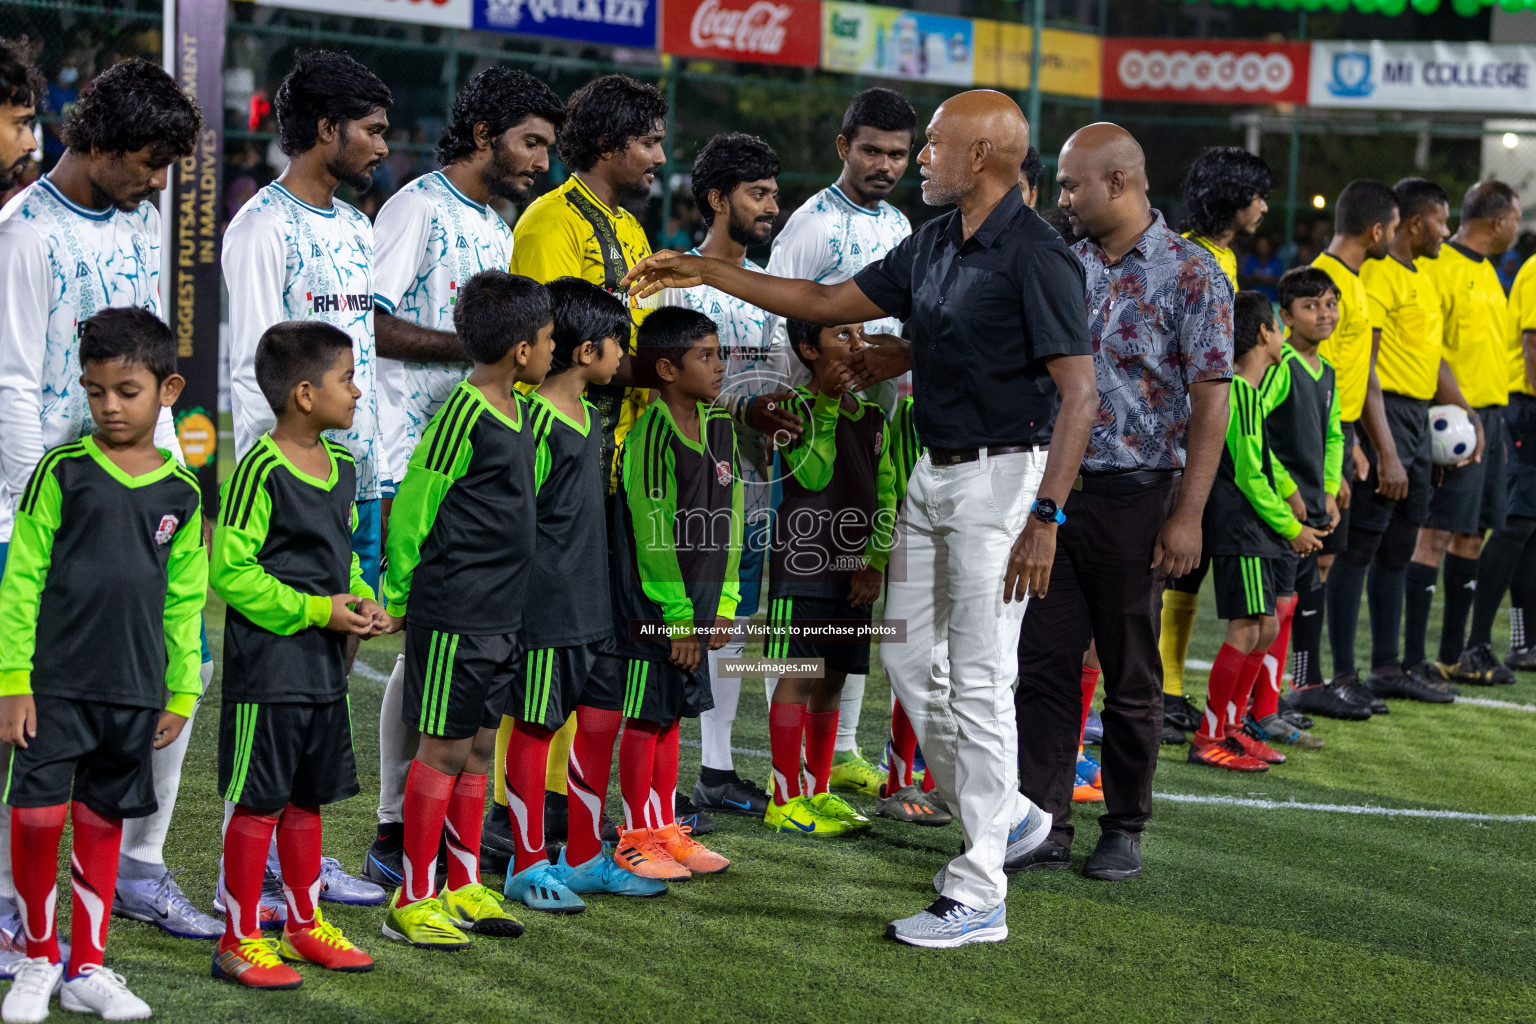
point(718, 776)
point(1419, 587)
point(1460, 584)
point(1307, 638)
point(1346, 582)
point(1522, 598)
point(1384, 596)
point(1496, 568)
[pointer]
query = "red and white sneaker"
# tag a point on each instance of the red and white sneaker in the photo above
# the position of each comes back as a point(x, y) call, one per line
point(322, 944)
point(1255, 748)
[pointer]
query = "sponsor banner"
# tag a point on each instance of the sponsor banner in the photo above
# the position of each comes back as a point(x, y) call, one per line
point(610, 22)
point(758, 31)
point(892, 43)
point(449, 13)
point(1205, 71)
point(1069, 61)
point(1424, 76)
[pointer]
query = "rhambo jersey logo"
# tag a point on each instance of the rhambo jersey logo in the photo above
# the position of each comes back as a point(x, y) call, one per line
point(338, 303)
point(723, 473)
point(166, 530)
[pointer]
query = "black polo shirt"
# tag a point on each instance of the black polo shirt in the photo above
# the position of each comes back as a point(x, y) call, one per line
point(983, 316)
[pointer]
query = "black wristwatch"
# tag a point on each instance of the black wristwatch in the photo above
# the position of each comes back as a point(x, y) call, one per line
point(1045, 510)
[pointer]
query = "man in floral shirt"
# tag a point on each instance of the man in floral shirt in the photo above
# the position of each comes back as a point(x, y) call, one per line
point(1160, 314)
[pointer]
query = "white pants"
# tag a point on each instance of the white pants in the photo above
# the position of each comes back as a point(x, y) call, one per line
point(397, 746)
point(956, 529)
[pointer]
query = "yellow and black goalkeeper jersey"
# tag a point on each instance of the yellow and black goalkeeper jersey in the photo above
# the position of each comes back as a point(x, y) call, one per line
point(677, 531)
point(1348, 348)
point(1476, 324)
point(461, 529)
point(1246, 513)
point(104, 583)
point(1405, 303)
point(1303, 429)
point(282, 547)
point(1226, 259)
point(1522, 318)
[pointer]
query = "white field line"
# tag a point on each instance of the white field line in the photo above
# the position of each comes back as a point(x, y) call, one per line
point(1388, 812)
point(1485, 702)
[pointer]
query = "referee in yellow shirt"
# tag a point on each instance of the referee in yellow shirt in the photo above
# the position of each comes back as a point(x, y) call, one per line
point(1400, 290)
point(1472, 498)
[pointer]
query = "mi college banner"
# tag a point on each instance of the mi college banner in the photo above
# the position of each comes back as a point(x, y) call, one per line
point(1478, 77)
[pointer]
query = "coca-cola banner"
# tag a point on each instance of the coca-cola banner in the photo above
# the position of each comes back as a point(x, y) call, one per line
point(1205, 71)
point(757, 31)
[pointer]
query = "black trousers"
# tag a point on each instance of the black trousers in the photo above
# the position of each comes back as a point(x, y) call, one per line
point(1101, 589)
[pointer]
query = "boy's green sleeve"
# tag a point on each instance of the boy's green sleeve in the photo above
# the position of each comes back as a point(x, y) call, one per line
point(1276, 386)
point(186, 591)
point(730, 592)
point(813, 456)
point(906, 450)
point(241, 581)
point(1245, 440)
point(414, 510)
point(1333, 457)
point(26, 570)
point(358, 585)
point(541, 460)
point(650, 489)
point(878, 550)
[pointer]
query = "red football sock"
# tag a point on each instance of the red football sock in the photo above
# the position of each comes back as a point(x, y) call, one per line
point(586, 778)
point(1237, 706)
point(466, 812)
point(424, 810)
point(35, 834)
point(662, 808)
point(93, 865)
point(246, 841)
point(637, 760)
point(1223, 681)
point(820, 738)
point(903, 749)
point(786, 729)
point(1090, 682)
point(928, 782)
point(1266, 693)
point(527, 764)
point(298, 853)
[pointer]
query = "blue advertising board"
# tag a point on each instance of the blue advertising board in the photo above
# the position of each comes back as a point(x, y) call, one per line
point(610, 22)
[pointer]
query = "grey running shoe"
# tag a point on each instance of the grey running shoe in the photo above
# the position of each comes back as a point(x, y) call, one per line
point(160, 901)
point(13, 941)
point(947, 923)
point(911, 805)
point(271, 912)
point(336, 886)
point(1023, 839)
point(1275, 729)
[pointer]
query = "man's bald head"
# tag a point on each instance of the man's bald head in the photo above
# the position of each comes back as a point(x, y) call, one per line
point(1102, 172)
point(975, 136)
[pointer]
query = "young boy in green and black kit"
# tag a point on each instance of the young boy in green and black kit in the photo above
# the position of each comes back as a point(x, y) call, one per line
point(107, 553)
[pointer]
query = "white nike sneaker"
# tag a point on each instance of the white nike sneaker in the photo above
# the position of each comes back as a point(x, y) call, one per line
point(103, 992)
point(35, 983)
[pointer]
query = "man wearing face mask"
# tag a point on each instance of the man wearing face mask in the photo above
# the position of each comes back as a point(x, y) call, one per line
point(435, 233)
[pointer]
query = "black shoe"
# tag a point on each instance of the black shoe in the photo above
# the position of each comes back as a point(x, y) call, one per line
point(1396, 683)
point(1173, 736)
point(1327, 702)
point(1480, 666)
point(698, 822)
point(1180, 713)
point(1048, 856)
point(738, 796)
point(1427, 671)
point(496, 842)
point(1290, 713)
point(385, 863)
point(1117, 858)
point(1353, 690)
point(610, 832)
point(557, 817)
point(1521, 659)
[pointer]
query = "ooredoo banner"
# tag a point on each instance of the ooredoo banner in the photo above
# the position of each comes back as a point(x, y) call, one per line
point(759, 31)
point(1205, 71)
point(1424, 76)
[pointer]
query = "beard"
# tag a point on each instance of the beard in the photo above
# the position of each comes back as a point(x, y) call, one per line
point(502, 179)
point(750, 233)
point(937, 192)
point(359, 178)
point(636, 191)
point(12, 174)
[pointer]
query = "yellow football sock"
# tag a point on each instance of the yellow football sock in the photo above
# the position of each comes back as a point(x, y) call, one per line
point(559, 756)
point(499, 771)
point(1173, 645)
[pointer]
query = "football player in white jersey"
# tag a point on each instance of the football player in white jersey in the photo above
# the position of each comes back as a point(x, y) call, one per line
point(431, 236)
point(296, 252)
point(737, 194)
point(830, 238)
point(85, 237)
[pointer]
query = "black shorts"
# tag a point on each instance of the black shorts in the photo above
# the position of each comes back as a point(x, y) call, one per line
point(1408, 421)
point(553, 680)
point(1338, 540)
point(1191, 581)
point(1520, 423)
point(1307, 576)
point(819, 627)
point(271, 755)
point(659, 691)
point(1471, 499)
point(1245, 585)
point(456, 683)
point(99, 754)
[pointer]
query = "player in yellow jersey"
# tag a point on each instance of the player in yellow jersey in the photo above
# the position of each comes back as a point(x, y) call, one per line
point(1472, 498)
point(1224, 197)
point(612, 142)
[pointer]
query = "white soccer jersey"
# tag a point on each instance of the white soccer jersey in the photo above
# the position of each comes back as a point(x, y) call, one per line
point(287, 260)
point(60, 263)
point(431, 238)
point(747, 336)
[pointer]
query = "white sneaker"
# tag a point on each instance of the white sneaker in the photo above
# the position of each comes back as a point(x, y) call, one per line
point(102, 992)
point(35, 983)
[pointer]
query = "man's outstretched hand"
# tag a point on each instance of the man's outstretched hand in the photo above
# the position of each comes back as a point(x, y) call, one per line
point(665, 269)
point(885, 356)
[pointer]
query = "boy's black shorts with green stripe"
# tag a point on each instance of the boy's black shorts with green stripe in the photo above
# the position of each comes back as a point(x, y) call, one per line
point(86, 750)
point(654, 691)
point(803, 627)
point(553, 680)
point(1245, 585)
point(271, 755)
point(457, 683)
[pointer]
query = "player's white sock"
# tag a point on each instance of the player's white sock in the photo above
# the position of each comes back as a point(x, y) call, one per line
point(715, 724)
point(144, 838)
point(848, 715)
point(7, 882)
point(397, 746)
